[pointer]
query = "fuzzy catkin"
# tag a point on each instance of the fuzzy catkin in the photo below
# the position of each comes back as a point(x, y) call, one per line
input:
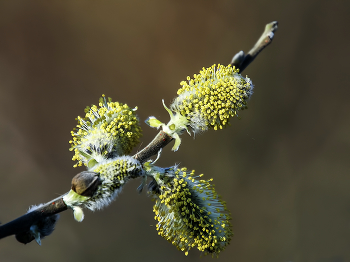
point(212, 97)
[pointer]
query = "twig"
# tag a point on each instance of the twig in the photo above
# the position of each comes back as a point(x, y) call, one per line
point(160, 141)
point(21, 226)
point(241, 60)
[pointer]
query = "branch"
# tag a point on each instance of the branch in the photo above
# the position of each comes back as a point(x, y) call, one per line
point(21, 225)
point(241, 60)
point(160, 141)
point(87, 180)
point(84, 183)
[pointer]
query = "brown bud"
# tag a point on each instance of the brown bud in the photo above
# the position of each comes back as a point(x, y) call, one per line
point(86, 183)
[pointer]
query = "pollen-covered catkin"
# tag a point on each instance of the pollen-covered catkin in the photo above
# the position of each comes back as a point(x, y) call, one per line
point(189, 212)
point(114, 173)
point(212, 97)
point(107, 131)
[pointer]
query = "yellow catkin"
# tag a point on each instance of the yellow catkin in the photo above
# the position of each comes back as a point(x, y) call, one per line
point(113, 174)
point(187, 220)
point(111, 128)
point(212, 97)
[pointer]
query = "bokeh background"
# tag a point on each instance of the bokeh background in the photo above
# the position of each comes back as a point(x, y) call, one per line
point(283, 169)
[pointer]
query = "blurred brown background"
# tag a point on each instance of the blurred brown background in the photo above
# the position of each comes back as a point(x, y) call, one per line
point(283, 168)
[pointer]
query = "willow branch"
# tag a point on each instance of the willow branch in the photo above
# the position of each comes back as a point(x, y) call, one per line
point(241, 60)
point(160, 141)
point(21, 226)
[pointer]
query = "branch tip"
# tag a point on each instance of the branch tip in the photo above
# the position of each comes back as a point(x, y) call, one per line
point(241, 60)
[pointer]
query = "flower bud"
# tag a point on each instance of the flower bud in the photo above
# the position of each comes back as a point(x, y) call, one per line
point(86, 183)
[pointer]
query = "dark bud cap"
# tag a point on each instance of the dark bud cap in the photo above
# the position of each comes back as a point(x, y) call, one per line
point(25, 237)
point(86, 183)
